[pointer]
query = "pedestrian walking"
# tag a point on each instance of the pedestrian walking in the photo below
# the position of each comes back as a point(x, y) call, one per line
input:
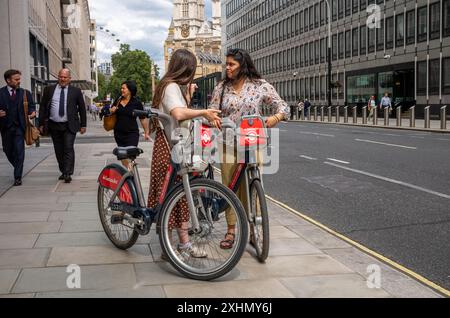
point(307, 108)
point(63, 115)
point(126, 130)
point(386, 103)
point(243, 92)
point(372, 107)
point(12, 121)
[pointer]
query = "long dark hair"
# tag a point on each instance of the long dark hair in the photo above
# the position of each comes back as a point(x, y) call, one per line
point(181, 70)
point(247, 67)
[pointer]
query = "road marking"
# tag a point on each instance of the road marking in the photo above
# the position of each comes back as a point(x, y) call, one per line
point(361, 247)
point(385, 144)
point(316, 134)
point(443, 139)
point(339, 161)
point(308, 158)
point(412, 186)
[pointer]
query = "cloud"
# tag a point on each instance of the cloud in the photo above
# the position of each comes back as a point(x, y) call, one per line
point(141, 23)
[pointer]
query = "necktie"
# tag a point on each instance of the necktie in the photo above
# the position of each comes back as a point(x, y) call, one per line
point(62, 99)
point(13, 94)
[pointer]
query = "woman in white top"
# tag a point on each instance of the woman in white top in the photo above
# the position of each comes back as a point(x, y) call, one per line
point(170, 99)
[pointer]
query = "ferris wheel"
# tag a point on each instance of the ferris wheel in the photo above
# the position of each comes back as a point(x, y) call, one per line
point(108, 43)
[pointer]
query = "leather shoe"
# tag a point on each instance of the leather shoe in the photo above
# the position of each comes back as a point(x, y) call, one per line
point(67, 179)
point(62, 177)
point(18, 183)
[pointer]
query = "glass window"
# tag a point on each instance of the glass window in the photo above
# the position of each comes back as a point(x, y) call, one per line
point(334, 47)
point(342, 82)
point(380, 36)
point(311, 18)
point(348, 44)
point(363, 39)
point(446, 76)
point(421, 78)
point(311, 53)
point(317, 88)
point(306, 54)
point(410, 27)
point(362, 5)
point(355, 6)
point(422, 24)
point(360, 88)
point(316, 15)
point(446, 17)
point(385, 84)
point(341, 45)
point(306, 20)
point(390, 33)
point(341, 9)
point(348, 7)
point(399, 30)
point(317, 52)
point(355, 42)
point(433, 81)
point(300, 21)
point(371, 40)
point(435, 21)
point(334, 10)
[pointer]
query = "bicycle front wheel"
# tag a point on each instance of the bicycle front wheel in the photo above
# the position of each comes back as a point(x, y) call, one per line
point(197, 253)
point(259, 221)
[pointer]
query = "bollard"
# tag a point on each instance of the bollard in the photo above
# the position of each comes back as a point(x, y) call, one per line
point(302, 117)
point(364, 110)
point(346, 114)
point(412, 117)
point(399, 116)
point(444, 117)
point(386, 116)
point(375, 117)
point(315, 113)
point(355, 115)
point(329, 114)
point(297, 113)
point(427, 117)
point(322, 113)
point(338, 114)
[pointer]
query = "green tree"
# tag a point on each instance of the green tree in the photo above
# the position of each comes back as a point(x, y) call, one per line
point(131, 65)
point(102, 87)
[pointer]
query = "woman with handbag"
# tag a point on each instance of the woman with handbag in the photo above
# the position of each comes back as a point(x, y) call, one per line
point(126, 130)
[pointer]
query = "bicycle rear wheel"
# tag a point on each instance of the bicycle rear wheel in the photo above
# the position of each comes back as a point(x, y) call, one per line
point(121, 233)
point(203, 259)
point(259, 221)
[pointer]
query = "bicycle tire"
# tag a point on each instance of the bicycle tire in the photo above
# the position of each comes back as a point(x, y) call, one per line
point(239, 244)
point(262, 243)
point(107, 225)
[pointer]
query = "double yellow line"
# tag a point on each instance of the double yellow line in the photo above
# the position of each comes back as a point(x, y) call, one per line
point(378, 256)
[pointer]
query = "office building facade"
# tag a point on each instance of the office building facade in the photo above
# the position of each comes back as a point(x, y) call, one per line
point(400, 47)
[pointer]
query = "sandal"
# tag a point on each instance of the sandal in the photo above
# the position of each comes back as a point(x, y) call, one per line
point(227, 243)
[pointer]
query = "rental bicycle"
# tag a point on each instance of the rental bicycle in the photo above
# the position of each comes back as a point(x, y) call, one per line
point(125, 216)
point(251, 136)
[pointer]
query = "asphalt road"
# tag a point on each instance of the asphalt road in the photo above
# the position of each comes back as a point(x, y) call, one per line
point(386, 189)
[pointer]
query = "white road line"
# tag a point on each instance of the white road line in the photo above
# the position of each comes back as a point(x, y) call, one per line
point(443, 139)
point(308, 158)
point(316, 134)
point(339, 161)
point(383, 143)
point(412, 186)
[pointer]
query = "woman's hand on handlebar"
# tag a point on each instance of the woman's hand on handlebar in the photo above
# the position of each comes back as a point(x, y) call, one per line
point(212, 116)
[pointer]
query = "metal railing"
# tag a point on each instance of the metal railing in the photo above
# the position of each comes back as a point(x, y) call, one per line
point(325, 113)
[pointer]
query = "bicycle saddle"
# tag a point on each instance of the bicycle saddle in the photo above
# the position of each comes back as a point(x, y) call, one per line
point(123, 153)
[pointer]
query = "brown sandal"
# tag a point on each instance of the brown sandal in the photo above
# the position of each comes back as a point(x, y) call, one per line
point(227, 244)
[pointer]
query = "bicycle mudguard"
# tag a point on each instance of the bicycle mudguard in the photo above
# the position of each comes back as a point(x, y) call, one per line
point(110, 178)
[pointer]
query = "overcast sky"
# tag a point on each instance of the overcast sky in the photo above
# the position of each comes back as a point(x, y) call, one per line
point(141, 23)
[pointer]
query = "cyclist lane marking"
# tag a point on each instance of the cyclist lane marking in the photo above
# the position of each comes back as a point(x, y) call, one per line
point(364, 249)
point(316, 134)
point(339, 161)
point(385, 144)
point(308, 158)
point(405, 184)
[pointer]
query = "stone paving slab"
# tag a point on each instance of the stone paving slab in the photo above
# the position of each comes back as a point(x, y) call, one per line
point(17, 241)
point(269, 288)
point(318, 237)
point(332, 286)
point(24, 217)
point(96, 255)
point(281, 247)
point(23, 258)
point(92, 277)
point(32, 208)
point(7, 279)
point(80, 226)
point(72, 239)
point(29, 228)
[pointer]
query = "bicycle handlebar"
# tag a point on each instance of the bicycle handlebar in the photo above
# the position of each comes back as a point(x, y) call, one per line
point(144, 113)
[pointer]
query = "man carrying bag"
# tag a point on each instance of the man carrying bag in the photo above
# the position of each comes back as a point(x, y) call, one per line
point(16, 109)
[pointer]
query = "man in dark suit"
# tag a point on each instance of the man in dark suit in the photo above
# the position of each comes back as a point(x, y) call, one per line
point(63, 114)
point(12, 121)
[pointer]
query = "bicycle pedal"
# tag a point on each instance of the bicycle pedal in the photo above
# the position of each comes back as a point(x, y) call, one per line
point(116, 207)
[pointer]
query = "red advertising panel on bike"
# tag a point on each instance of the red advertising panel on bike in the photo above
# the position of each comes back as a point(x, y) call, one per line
point(252, 132)
point(110, 179)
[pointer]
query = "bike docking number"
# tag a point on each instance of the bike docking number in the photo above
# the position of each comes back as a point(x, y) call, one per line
point(238, 307)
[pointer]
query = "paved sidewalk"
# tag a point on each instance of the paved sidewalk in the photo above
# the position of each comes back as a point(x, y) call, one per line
point(47, 225)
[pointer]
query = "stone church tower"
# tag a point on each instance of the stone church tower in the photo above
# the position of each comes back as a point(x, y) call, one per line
point(190, 29)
